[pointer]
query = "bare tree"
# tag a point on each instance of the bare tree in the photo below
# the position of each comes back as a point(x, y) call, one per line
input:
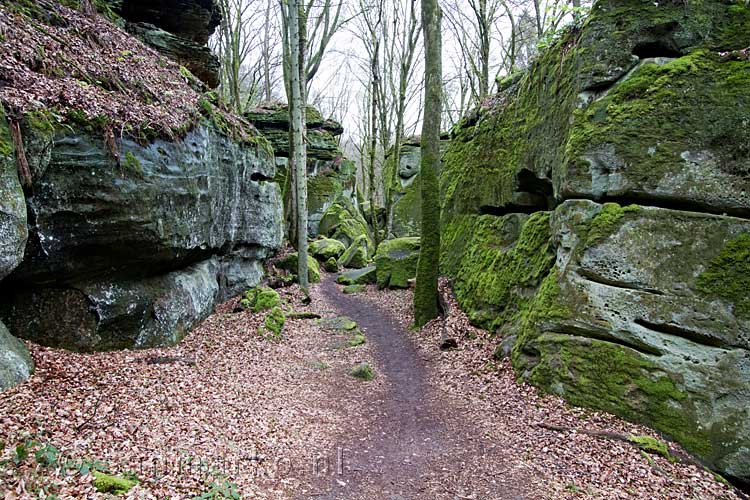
point(294, 43)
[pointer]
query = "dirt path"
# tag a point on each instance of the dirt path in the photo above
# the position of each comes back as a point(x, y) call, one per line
point(418, 446)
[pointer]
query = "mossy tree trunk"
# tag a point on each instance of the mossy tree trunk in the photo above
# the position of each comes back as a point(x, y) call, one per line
point(428, 268)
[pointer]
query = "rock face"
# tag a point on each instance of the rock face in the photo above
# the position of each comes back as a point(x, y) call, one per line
point(179, 29)
point(596, 214)
point(330, 177)
point(16, 364)
point(403, 189)
point(135, 255)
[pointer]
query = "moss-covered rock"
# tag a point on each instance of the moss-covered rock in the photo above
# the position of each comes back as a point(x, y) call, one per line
point(343, 323)
point(116, 485)
point(497, 263)
point(343, 221)
point(16, 364)
point(358, 276)
point(357, 255)
point(260, 299)
point(357, 338)
point(289, 263)
point(352, 289)
point(331, 265)
point(13, 231)
point(637, 325)
point(273, 324)
point(363, 371)
point(396, 262)
point(632, 104)
point(326, 248)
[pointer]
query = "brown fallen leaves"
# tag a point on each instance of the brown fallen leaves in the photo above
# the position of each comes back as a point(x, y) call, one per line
point(565, 465)
point(85, 70)
point(224, 407)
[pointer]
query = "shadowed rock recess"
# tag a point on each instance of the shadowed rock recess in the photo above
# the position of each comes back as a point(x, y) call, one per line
point(128, 241)
point(596, 217)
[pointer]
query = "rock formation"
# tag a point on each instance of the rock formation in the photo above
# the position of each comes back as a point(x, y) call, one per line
point(179, 29)
point(132, 237)
point(330, 176)
point(403, 193)
point(596, 217)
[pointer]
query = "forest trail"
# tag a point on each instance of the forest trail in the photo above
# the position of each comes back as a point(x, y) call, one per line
point(417, 440)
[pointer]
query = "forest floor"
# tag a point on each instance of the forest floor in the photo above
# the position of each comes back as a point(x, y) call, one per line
point(228, 414)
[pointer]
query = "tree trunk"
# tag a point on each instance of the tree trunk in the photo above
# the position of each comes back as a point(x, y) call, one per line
point(428, 268)
point(297, 125)
point(373, 139)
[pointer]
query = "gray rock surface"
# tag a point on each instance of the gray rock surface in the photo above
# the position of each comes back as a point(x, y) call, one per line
point(136, 254)
point(16, 364)
point(637, 288)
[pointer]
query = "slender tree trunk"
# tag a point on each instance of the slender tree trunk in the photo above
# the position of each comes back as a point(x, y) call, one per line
point(267, 53)
point(373, 138)
point(297, 125)
point(428, 268)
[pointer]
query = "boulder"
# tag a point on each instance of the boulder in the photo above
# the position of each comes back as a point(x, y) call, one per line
point(105, 315)
point(634, 117)
point(326, 248)
point(289, 263)
point(358, 276)
point(193, 20)
point(595, 214)
point(357, 255)
point(16, 364)
point(330, 176)
point(655, 329)
point(396, 262)
point(344, 222)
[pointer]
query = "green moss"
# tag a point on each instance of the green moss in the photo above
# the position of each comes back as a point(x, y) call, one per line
point(497, 263)
point(661, 111)
point(289, 263)
point(396, 262)
point(653, 446)
point(605, 222)
point(352, 289)
point(581, 370)
point(266, 299)
point(342, 221)
point(322, 190)
point(273, 325)
point(358, 276)
point(357, 339)
point(326, 248)
point(105, 483)
point(6, 144)
point(344, 323)
point(728, 275)
point(132, 164)
point(357, 255)
point(331, 265)
point(362, 371)
point(519, 131)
